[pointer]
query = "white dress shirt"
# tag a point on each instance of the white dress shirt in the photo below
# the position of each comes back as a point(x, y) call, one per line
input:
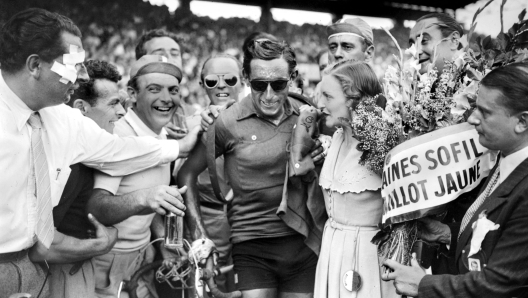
point(510, 162)
point(68, 138)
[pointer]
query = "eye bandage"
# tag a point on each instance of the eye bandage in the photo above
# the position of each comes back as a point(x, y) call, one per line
point(68, 71)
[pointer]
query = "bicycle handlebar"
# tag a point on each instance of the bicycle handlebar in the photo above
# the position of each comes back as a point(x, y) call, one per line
point(208, 277)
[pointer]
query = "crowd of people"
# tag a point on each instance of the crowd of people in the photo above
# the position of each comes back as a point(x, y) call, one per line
point(266, 178)
point(111, 31)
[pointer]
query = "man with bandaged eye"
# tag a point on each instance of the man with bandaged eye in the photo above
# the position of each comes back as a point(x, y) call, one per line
point(41, 58)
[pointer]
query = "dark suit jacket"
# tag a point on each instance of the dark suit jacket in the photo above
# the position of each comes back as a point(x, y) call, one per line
point(504, 252)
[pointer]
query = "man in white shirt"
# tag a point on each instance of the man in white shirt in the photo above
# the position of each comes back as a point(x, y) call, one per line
point(127, 202)
point(489, 244)
point(41, 58)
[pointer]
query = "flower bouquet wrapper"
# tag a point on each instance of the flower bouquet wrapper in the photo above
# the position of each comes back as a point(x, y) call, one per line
point(396, 242)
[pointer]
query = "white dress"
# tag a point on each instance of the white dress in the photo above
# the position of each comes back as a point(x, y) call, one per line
point(354, 205)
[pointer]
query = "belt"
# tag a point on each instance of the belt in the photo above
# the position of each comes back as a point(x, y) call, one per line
point(336, 225)
point(214, 206)
point(12, 256)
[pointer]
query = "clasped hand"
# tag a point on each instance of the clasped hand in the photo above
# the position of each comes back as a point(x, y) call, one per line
point(406, 278)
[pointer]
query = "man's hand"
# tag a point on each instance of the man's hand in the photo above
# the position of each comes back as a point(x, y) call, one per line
point(212, 112)
point(431, 230)
point(170, 256)
point(406, 278)
point(187, 143)
point(105, 237)
point(163, 198)
point(175, 132)
point(317, 153)
point(201, 249)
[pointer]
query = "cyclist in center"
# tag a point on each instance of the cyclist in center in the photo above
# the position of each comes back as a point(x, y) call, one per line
point(271, 258)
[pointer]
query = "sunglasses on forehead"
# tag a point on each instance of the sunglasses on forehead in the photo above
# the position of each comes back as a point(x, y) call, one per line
point(262, 85)
point(212, 80)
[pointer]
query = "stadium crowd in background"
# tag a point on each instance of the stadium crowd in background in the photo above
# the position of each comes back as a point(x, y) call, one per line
point(298, 213)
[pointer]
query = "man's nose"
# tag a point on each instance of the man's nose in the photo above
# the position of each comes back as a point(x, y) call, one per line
point(338, 52)
point(120, 110)
point(221, 83)
point(166, 96)
point(474, 118)
point(269, 92)
point(82, 73)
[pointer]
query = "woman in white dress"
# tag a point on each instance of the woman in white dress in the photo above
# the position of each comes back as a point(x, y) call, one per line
point(352, 194)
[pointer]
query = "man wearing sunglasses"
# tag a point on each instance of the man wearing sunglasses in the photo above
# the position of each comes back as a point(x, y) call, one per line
point(273, 255)
point(221, 80)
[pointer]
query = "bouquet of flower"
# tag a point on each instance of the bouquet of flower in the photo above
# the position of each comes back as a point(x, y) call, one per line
point(377, 133)
point(421, 103)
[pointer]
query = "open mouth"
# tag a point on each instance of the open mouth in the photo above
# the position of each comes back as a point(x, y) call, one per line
point(222, 95)
point(269, 104)
point(163, 109)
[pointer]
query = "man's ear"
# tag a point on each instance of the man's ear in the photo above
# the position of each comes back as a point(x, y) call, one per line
point(82, 105)
point(369, 53)
point(132, 93)
point(522, 123)
point(294, 74)
point(34, 65)
point(455, 40)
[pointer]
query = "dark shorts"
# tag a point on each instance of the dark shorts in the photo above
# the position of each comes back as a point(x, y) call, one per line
point(285, 263)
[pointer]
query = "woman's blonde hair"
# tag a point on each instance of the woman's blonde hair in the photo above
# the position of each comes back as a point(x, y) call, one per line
point(356, 75)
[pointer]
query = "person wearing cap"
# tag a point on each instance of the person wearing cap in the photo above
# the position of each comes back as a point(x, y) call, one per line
point(42, 64)
point(132, 203)
point(350, 39)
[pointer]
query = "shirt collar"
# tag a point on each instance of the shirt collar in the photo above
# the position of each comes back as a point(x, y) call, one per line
point(141, 128)
point(20, 111)
point(247, 108)
point(510, 162)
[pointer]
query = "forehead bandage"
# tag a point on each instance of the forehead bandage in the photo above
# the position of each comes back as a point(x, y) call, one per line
point(68, 71)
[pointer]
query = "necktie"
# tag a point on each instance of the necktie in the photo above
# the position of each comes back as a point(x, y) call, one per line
point(44, 229)
point(478, 202)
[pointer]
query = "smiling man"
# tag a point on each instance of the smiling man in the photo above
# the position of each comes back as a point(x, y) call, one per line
point(41, 58)
point(131, 202)
point(73, 274)
point(274, 251)
point(440, 39)
point(499, 258)
point(221, 78)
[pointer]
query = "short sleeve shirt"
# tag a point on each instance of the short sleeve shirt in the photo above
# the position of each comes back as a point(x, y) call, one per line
point(255, 159)
point(134, 232)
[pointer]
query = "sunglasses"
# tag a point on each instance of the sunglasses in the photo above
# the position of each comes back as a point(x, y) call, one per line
point(262, 85)
point(212, 80)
